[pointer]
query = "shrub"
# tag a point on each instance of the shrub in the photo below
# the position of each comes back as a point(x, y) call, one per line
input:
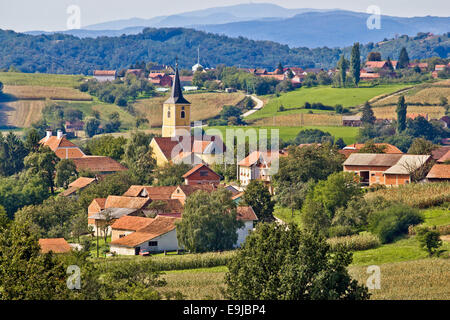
point(356, 242)
point(340, 231)
point(393, 221)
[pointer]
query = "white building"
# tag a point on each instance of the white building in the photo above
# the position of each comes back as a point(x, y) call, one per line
point(105, 75)
point(248, 217)
point(257, 166)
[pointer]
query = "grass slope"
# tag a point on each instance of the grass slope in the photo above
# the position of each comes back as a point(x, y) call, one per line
point(40, 79)
point(327, 95)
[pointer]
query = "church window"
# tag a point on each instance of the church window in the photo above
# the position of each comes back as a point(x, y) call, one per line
point(183, 114)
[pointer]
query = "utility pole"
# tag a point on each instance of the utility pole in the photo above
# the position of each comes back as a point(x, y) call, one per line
point(97, 243)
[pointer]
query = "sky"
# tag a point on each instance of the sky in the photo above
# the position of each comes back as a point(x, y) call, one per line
point(51, 15)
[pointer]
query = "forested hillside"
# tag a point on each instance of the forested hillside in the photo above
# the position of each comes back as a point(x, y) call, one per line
point(71, 55)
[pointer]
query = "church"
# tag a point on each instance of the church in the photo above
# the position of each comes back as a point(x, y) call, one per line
point(177, 143)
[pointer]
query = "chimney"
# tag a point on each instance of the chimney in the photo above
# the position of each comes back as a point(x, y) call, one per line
point(59, 134)
point(48, 134)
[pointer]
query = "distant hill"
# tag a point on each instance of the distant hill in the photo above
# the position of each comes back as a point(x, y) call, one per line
point(58, 53)
point(331, 29)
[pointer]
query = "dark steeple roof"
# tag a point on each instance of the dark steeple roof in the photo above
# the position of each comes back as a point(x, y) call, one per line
point(177, 93)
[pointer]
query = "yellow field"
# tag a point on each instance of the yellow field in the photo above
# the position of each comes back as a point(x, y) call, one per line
point(412, 280)
point(390, 113)
point(21, 113)
point(301, 119)
point(203, 106)
point(40, 92)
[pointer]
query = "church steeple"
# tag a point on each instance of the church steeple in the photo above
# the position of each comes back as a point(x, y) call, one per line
point(176, 96)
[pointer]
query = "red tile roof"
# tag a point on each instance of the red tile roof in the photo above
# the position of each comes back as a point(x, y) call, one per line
point(445, 157)
point(131, 223)
point(439, 171)
point(126, 202)
point(159, 226)
point(440, 152)
point(389, 147)
point(82, 182)
point(98, 164)
point(56, 245)
point(53, 142)
point(197, 168)
point(104, 72)
point(375, 64)
point(246, 214)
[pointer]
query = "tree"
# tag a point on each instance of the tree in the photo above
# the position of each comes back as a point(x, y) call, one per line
point(355, 61)
point(308, 162)
point(91, 127)
point(284, 263)
point(43, 163)
point(258, 197)
point(107, 145)
point(171, 174)
point(403, 59)
point(401, 114)
point(32, 138)
point(374, 56)
point(368, 117)
point(79, 225)
point(339, 143)
point(313, 136)
point(42, 276)
point(209, 222)
point(12, 154)
point(371, 147)
point(343, 65)
point(429, 240)
point(280, 69)
point(421, 146)
point(4, 220)
point(292, 196)
point(66, 172)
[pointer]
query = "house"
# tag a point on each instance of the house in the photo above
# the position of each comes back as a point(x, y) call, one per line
point(97, 205)
point(183, 191)
point(422, 65)
point(438, 153)
point(55, 245)
point(201, 174)
point(351, 121)
point(355, 147)
point(248, 217)
point(160, 79)
point(439, 67)
point(156, 236)
point(439, 172)
point(116, 207)
point(257, 166)
point(385, 169)
point(72, 127)
point(374, 65)
point(369, 75)
point(445, 158)
point(105, 75)
point(278, 77)
point(77, 185)
point(63, 148)
point(154, 193)
point(127, 225)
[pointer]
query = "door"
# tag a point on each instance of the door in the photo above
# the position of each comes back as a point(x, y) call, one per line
point(137, 250)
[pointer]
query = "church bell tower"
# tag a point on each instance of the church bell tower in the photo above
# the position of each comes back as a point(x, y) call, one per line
point(176, 111)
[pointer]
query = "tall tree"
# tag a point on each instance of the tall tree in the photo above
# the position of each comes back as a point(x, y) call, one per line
point(284, 263)
point(257, 196)
point(368, 117)
point(209, 222)
point(355, 62)
point(401, 114)
point(343, 65)
point(66, 172)
point(374, 56)
point(43, 163)
point(403, 59)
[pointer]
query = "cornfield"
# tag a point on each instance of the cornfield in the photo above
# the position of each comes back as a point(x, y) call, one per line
point(357, 242)
point(416, 195)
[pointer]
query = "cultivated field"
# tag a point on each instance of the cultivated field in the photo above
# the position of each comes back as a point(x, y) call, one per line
point(20, 113)
point(40, 79)
point(325, 94)
point(203, 106)
point(390, 113)
point(299, 119)
point(41, 93)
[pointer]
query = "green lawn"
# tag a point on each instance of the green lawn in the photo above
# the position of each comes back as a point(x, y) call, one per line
point(348, 134)
point(436, 217)
point(325, 94)
point(285, 214)
point(40, 79)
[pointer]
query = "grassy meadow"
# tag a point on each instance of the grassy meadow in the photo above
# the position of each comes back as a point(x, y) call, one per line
point(40, 79)
point(348, 134)
point(327, 95)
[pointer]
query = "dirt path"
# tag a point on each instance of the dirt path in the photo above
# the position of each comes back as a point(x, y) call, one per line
point(259, 106)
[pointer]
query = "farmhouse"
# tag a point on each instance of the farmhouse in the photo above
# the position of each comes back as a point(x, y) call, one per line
point(105, 75)
point(355, 147)
point(351, 121)
point(257, 166)
point(248, 217)
point(384, 169)
point(64, 149)
point(160, 79)
point(201, 174)
point(156, 235)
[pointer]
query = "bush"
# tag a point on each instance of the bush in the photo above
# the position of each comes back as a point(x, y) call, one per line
point(341, 231)
point(357, 242)
point(393, 221)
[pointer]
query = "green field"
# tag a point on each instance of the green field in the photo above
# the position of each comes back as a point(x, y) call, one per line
point(348, 134)
point(327, 95)
point(40, 79)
